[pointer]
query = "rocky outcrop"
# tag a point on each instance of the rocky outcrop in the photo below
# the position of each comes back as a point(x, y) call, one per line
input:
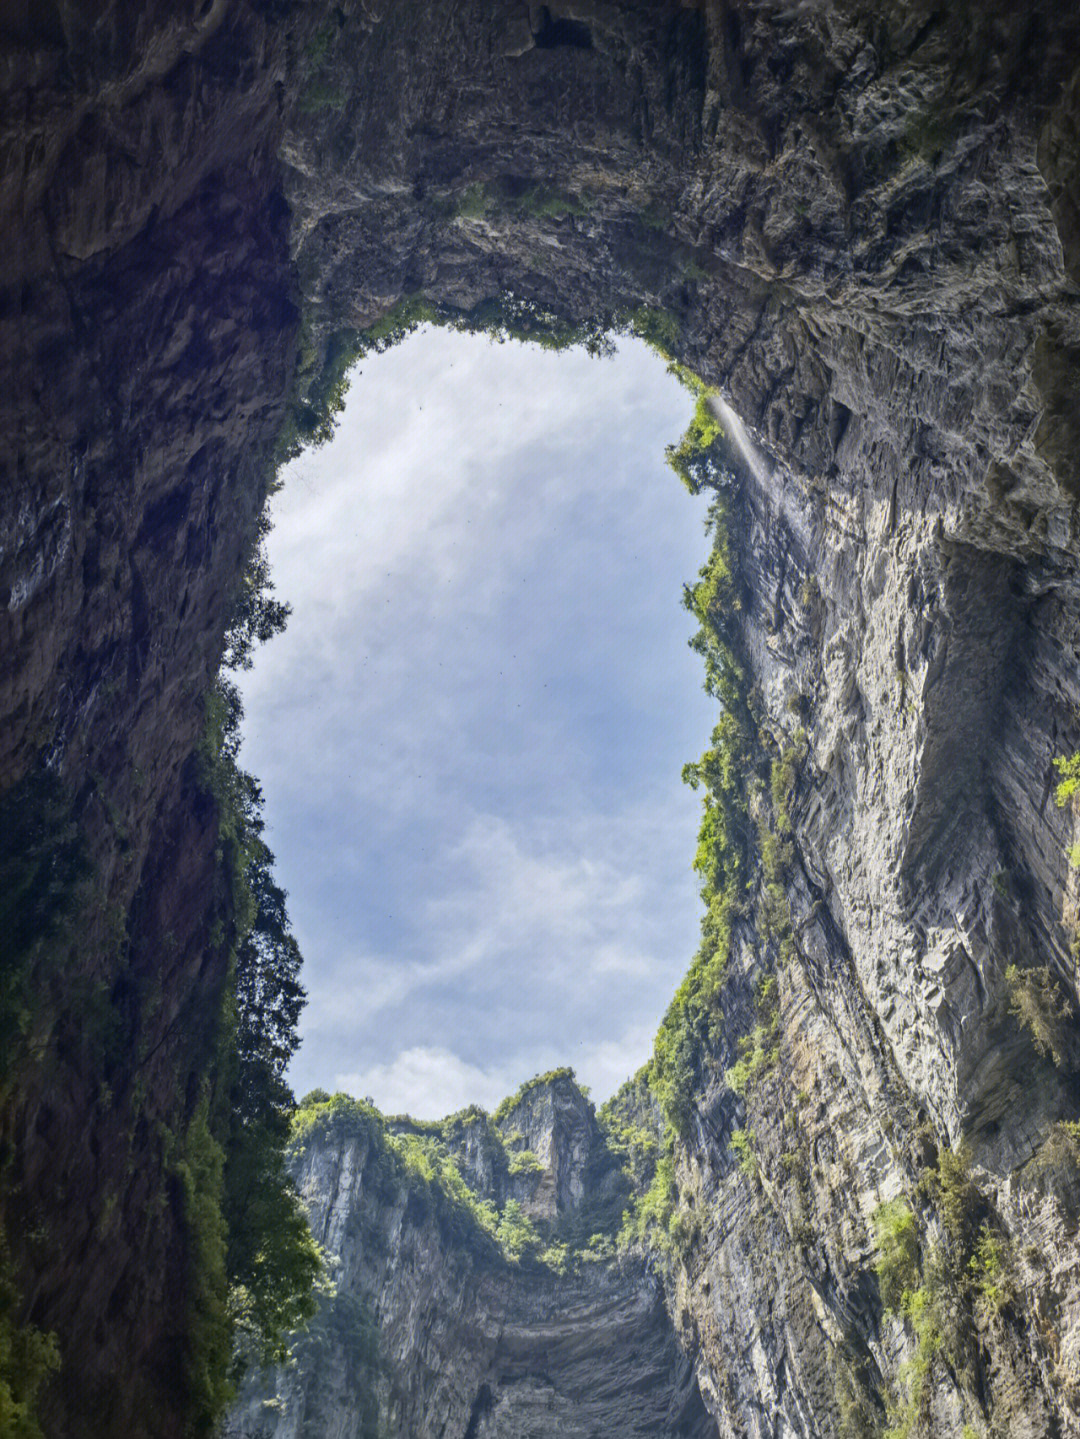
point(860, 225)
point(462, 1340)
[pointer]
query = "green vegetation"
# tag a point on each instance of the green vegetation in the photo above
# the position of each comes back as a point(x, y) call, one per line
point(27, 1358)
point(648, 1220)
point(758, 1050)
point(256, 615)
point(936, 1290)
point(321, 382)
point(418, 1159)
point(539, 1081)
point(658, 328)
point(742, 1142)
point(317, 95)
point(956, 1196)
point(692, 1022)
point(1061, 1147)
point(990, 1267)
point(524, 1161)
point(1036, 1000)
point(342, 1330)
point(483, 199)
point(633, 1127)
point(1068, 767)
point(692, 458)
point(537, 202)
point(517, 1234)
point(44, 875)
point(475, 202)
point(197, 1169)
point(252, 1263)
point(900, 1272)
point(897, 1239)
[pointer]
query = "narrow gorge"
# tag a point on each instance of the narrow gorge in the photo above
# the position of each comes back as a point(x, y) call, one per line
point(843, 1198)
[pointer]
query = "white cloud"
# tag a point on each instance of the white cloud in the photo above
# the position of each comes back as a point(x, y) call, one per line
point(430, 1081)
point(470, 734)
point(427, 1082)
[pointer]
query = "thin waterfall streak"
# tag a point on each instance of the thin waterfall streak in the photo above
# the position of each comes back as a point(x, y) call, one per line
point(737, 432)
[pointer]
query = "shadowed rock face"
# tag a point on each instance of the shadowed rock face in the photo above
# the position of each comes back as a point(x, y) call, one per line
point(860, 223)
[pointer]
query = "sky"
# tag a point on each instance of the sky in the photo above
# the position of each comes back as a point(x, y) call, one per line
point(471, 734)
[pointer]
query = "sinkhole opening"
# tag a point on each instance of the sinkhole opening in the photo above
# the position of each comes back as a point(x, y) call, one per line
point(470, 736)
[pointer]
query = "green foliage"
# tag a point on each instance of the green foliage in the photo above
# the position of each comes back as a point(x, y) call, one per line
point(339, 1349)
point(318, 95)
point(990, 1267)
point(417, 1157)
point(43, 887)
point(758, 1050)
point(1060, 1148)
point(1037, 1002)
point(783, 775)
point(647, 1221)
point(633, 1127)
point(245, 1301)
point(475, 202)
point(1068, 767)
point(957, 1197)
point(197, 1169)
point(517, 1234)
point(922, 1311)
point(542, 202)
point(918, 1293)
point(897, 1239)
point(559, 1258)
point(256, 615)
point(693, 458)
point(757, 1054)
point(27, 1358)
point(524, 1161)
point(272, 1256)
point(538, 1081)
point(320, 385)
point(336, 1116)
point(692, 1022)
point(658, 328)
point(742, 1142)
point(933, 1292)
point(535, 201)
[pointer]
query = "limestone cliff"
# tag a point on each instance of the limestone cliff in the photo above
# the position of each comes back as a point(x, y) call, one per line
point(859, 223)
point(471, 1327)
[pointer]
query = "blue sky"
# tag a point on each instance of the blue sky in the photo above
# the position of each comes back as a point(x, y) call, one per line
point(471, 734)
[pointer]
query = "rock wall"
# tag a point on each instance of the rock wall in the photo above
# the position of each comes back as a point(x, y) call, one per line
point(464, 1340)
point(860, 224)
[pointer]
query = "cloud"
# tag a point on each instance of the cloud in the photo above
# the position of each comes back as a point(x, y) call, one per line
point(427, 1082)
point(430, 1082)
point(470, 736)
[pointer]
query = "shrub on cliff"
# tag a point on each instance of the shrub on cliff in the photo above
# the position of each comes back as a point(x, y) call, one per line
point(27, 1357)
point(1037, 1002)
point(692, 1022)
point(897, 1238)
point(271, 1259)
